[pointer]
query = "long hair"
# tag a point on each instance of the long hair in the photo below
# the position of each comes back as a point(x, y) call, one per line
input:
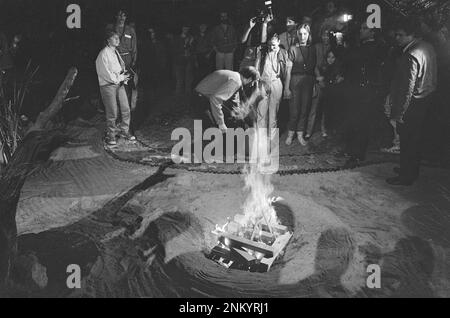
point(308, 29)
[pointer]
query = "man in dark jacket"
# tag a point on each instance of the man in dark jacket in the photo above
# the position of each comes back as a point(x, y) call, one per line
point(412, 90)
point(363, 82)
point(224, 42)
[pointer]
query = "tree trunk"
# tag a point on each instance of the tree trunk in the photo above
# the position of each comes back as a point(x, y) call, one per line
point(36, 146)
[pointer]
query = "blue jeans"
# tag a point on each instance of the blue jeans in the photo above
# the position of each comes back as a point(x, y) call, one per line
point(111, 94)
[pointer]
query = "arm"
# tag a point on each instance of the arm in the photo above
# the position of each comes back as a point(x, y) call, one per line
point(406, 91)
point(267, 20)
point(104, 72)
point(134, 48)
point(227, 91)
point(287, 81)
point(216, 109)
point(246, 34)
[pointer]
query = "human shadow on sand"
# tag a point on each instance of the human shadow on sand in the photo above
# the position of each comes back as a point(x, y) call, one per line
point(191, 274)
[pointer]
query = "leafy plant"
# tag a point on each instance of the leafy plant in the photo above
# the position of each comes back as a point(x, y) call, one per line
point(12, 125)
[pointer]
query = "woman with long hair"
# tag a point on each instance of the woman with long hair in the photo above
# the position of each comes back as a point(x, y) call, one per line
point(299, 84)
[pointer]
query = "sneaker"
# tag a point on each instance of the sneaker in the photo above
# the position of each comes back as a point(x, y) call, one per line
point(290, 138)
point(110, 141)
point(301, 140)
point(127, 136)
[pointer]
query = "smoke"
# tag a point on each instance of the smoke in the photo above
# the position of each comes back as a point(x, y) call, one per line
point(258, 206)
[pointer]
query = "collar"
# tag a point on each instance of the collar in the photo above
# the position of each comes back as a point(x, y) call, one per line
point(274, 52)
point(405, 49)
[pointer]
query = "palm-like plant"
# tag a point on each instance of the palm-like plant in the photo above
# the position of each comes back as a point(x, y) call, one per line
point(11, 124)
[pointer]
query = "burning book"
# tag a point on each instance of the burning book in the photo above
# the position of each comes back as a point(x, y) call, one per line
point(250, 245)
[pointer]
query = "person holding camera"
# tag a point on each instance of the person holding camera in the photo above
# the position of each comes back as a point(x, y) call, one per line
point(254, 36)
point(128, 52)
point(112, 77)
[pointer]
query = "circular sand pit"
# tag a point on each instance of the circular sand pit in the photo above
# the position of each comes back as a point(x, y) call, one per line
point(318, 254)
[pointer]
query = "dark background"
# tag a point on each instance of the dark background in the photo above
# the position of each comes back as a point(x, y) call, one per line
point(51, 45)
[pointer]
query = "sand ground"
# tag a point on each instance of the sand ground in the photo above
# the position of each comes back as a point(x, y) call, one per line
point(136, 231)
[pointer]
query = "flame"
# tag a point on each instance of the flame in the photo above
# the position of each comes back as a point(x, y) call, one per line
point(258, 206)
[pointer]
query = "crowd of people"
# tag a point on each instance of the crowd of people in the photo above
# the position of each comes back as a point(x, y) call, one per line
point(333, 82)
point(304, 76)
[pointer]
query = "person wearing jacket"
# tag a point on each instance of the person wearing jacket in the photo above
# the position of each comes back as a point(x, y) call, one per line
point(412, 90)
point(224, 42)
point(112, 77)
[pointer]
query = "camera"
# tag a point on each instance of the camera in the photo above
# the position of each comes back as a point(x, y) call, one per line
point(268, 5)
point(263, 13)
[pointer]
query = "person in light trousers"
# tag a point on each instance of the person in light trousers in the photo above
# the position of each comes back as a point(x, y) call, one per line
point(112, 77)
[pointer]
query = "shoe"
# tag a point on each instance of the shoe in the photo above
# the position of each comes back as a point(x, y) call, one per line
point(301, 140)
point(399, 181)
point(127, 136)
point(110, 141)
point(290, 138)
point(324, 135)
point(397, 170)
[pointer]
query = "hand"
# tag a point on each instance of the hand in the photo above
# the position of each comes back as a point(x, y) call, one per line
point(223, 128)
point(252, 22)
point(268, 19)
point(287, 93)
point(339, 79)
point(320, 78)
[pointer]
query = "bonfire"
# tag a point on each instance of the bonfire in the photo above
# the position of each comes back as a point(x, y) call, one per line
point(255, 239)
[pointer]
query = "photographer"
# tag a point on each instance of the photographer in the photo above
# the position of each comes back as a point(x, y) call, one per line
point(112, 77)
point(128, 52)
point(254, 36)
